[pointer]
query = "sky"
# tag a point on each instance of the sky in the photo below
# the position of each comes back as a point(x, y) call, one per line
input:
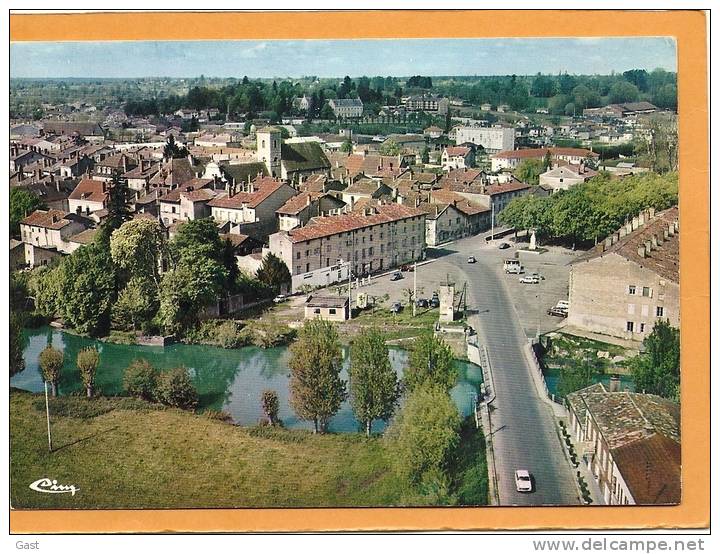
point(336, 58)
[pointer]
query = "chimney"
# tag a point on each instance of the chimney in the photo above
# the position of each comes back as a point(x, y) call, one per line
point(614, 384)
point(654, 241)
point(622, 232)
point(641, 251)
point(648, 246)
point(635, 222)
point(641, 219)
point(307, 201)
point(666, 233)
point(628, 228)
point(651, 212)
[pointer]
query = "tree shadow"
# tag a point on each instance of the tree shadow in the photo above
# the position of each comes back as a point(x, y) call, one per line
point(83, 439)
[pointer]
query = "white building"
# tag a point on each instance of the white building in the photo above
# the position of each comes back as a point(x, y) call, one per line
point(492, 139)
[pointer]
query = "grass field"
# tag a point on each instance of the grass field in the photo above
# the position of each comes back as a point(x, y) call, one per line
point(125, 453)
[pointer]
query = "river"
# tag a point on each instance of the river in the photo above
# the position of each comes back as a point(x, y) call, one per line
point(231, 380)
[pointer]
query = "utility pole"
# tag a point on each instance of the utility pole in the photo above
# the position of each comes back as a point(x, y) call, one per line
point(349, 290)
point(47, 414)
point(414, 297)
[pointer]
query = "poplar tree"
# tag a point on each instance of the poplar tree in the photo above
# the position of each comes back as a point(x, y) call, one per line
point(374, 387)
point(316, 390)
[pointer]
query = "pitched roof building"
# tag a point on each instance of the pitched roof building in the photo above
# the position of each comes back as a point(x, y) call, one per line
point(631, 442)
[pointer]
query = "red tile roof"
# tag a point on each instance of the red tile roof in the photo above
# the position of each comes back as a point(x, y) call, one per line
point(50, 219)
point(332, 225)
point(263, 189)
point(90, 189)
point(298, 203)
point(531, 153)
point(457, 150)
point(459, 201)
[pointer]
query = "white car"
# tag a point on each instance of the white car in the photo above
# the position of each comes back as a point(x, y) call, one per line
point(280, 298)
point(471, 259)
point(530, 279)
point(523, 481)
point(563, 305)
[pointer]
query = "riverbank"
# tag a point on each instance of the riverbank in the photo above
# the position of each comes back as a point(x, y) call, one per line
point(124, 453)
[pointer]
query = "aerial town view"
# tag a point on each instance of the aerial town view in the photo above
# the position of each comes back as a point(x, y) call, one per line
point(344, 273)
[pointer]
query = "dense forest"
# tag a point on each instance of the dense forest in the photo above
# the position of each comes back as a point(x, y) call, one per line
point(562, 94)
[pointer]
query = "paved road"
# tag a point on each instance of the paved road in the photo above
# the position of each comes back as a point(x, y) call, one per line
point(524, 435)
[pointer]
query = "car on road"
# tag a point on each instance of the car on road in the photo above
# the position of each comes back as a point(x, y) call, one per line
point(471, 259)
point(523, 481)
point(435, 301)
point(407, 267)
point(539, 276)
point(557, 312)
point(503, 245)
point(529, 279)
point(396, 308)
point(563, 305)
point(280, 298)
point(422, 303)
point(396, 276)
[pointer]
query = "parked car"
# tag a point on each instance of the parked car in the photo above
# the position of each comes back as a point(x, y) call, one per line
point(538, 275)
point(523, 481)
point(396, 308)
point(530, 279)
point(563, 305)
point(558, 312)
point(434, 302)
point(407, 267)
point(471, 259)
point(396, 276)
point(280, 298)
point(422, 303)
point(503, 245)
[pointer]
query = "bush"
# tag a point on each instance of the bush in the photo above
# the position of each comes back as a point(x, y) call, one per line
point(140, 379)
point(218, 415)
point(217, 332)
point(175, 388)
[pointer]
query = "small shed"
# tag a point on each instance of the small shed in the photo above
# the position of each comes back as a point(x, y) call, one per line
point(331, 308)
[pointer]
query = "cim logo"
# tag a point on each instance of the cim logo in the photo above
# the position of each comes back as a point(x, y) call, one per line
point(51, 486)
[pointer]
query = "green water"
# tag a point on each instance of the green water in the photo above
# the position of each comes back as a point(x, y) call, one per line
point(229, 380)
point(552, 378)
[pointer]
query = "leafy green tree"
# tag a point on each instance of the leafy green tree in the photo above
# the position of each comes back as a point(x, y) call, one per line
point(622, 91)
point(270, 405)
point(45, 285)
point(576, 376)
point(660, 149)
point(424, 434)
point(22, 204)
point(137, 248)
point(374, 386)
point(17, 344)
point(431, 361)
point(197, 238)
point(175, 388)
point(273, 272)
point(87, 289)
point(88, 360)
point(173, 150)
point(135, 304)
point(346, 146)
point(425, 155)
point(584, 97)
point(327, 113)
point(316, 390)
point(657, 370)
point(528, 171)
point(140, 379)
point(51, 362)
point(389, 148)
point(186, 290)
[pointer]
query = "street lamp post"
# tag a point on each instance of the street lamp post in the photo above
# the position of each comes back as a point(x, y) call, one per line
point(47, 414)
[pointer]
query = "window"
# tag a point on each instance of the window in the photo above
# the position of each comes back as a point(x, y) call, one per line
point(647, 291)
point(630, 326)
point(316, 311)
point(659, 311)
point(332, 311)
point(631, 289)
point(307, 268)
point(297, 256)
point(642, 327)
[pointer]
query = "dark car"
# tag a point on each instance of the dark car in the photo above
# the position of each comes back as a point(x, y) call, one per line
point(421, 303)
point(558, 312)
point(407, 267)
point(434, 302)
point(396, 307)
point(503, 245)
point(396, 276)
